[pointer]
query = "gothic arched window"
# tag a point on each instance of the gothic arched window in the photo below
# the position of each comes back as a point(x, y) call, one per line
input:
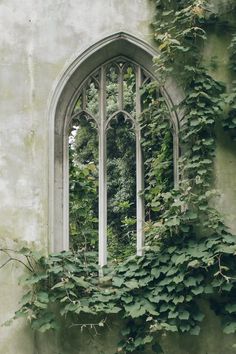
point(110, 99)
point(102, 95)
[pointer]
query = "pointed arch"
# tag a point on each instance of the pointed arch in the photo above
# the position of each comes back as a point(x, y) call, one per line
point(118, 44)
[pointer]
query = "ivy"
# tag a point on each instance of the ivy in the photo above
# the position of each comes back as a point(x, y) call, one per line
point(229, 122)
point(190, 253)
point(232, 53)
point(155, 294)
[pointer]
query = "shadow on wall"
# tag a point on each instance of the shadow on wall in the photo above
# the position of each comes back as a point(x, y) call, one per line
point(105, 340)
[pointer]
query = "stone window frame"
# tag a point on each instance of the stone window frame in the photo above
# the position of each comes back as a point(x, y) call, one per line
point(118, 44)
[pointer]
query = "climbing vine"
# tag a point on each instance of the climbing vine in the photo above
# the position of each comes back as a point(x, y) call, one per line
point(190, 253)
point(230, 119)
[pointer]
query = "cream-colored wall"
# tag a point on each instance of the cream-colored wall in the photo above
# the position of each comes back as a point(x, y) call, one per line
point(39, 39)
point(216, 51)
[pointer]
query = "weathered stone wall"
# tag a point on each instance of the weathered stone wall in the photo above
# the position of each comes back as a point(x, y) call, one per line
point(39, 39)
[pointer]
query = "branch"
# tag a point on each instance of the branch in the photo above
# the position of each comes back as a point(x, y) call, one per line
point(6, 251)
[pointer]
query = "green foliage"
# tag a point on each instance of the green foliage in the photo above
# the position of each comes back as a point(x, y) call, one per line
point(121, 181)
point(229, 122)
point(232, 53)
point(157, 143)
point(121, 185)
point(178, 32)
point(83, 203)
point(156, 293)
point(190, 253)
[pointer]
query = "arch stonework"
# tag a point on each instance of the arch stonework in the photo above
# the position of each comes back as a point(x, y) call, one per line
point(117, 44)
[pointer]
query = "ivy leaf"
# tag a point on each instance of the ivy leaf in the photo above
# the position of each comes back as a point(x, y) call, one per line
point(199, 316)
point(230, 308)
point(27, 298)
point(185, 228)
point(227, 286)
point(81, 282)
point(127, 299)
point(194, 264)
point(135, 310)
point(117, 281)
point(178, 278)
point(198, 290)
point(181, 259)
point(174, 221)
point(172, 314)
point(170, 328)
point(178, 300)
point(191, 215)
point(184, 315)
point(230, 328)
point(41, 305)
point(191, 281)
point(132, 284)
point(195, 331)
point(45, 327)
point(172, 271)
point(58, 285)
point(43, 296)
point(147, 339)
point(209, 289)
point(33, 279)
point(185, 327)
point(114, 309)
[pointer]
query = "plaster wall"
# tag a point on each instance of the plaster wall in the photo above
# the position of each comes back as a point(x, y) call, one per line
point(216, 52)
point(39, 39)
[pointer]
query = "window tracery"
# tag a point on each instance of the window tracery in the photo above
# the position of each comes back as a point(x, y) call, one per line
point(112, 93)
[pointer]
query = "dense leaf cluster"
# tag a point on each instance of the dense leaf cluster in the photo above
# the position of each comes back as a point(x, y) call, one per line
point(229, 122)
point(154, 294)
point(120, 168)
point(190, 253)
point(83, 196)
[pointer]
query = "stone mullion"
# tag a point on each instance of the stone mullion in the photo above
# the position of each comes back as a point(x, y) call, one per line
point(120, 90)
point(139, 171)
point(102, 174)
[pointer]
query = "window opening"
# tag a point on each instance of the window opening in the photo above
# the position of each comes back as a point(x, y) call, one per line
point(107, 157)
point(83, 184)
point(121, 187)
point(158, 139)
